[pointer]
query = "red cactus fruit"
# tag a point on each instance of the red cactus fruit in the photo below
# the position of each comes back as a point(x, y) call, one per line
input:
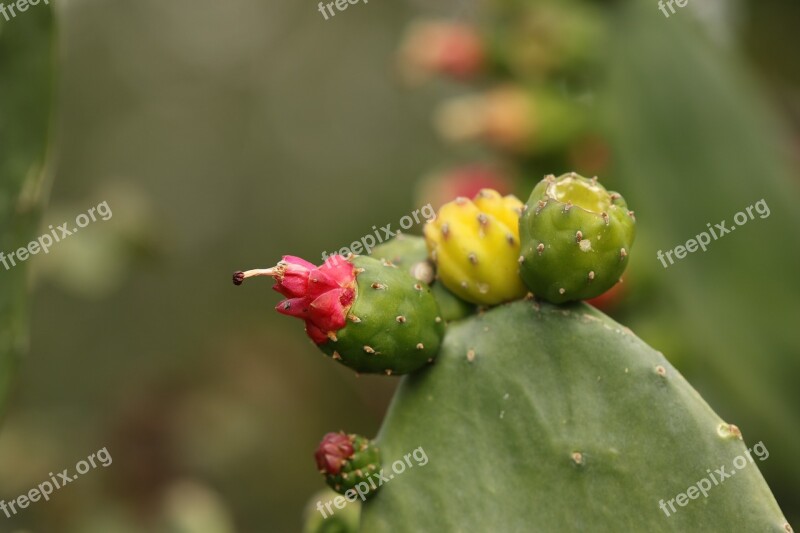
point(364, 313)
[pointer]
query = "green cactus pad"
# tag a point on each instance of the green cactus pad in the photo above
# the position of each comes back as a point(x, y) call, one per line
point(394, 325)
point(542, 418)
point(575, 238)
point(411, 252)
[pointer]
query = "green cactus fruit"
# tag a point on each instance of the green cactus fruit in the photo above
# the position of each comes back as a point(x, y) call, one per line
point(351, 464)
point(321, 519)
point(394, 325)
point(407, 252)
point(367, 314)
point(475, 245)
point(411, 253)
point(555, 418)
point(575, 238)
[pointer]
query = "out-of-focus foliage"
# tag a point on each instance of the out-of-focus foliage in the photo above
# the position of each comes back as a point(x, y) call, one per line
point(26, 83)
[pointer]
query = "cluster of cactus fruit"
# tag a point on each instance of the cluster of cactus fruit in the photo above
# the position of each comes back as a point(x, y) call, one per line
point(387, 313)
point(530, 387)
point(536, 67)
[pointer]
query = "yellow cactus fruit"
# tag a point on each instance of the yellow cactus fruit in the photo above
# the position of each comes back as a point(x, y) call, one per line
point(475, 244)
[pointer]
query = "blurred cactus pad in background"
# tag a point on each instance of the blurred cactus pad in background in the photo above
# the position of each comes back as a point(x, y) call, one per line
point(555, 373)
point(27, 56)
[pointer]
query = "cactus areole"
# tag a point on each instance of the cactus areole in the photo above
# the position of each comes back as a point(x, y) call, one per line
point(366, 314)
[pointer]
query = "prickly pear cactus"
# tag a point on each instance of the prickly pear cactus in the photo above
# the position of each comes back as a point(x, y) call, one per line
point(545, 418)
point(535, 417)
point(541, 417)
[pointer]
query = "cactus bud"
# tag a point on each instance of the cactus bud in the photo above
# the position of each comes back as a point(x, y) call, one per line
point(350, 307)
point(346, 460)
point(551, 39)
point(453, 49)
point(475, 244)
point(332, 453)
point(513, 119)
point(575, 238)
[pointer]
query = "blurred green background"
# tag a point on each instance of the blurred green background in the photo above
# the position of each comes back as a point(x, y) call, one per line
point(225, 134)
